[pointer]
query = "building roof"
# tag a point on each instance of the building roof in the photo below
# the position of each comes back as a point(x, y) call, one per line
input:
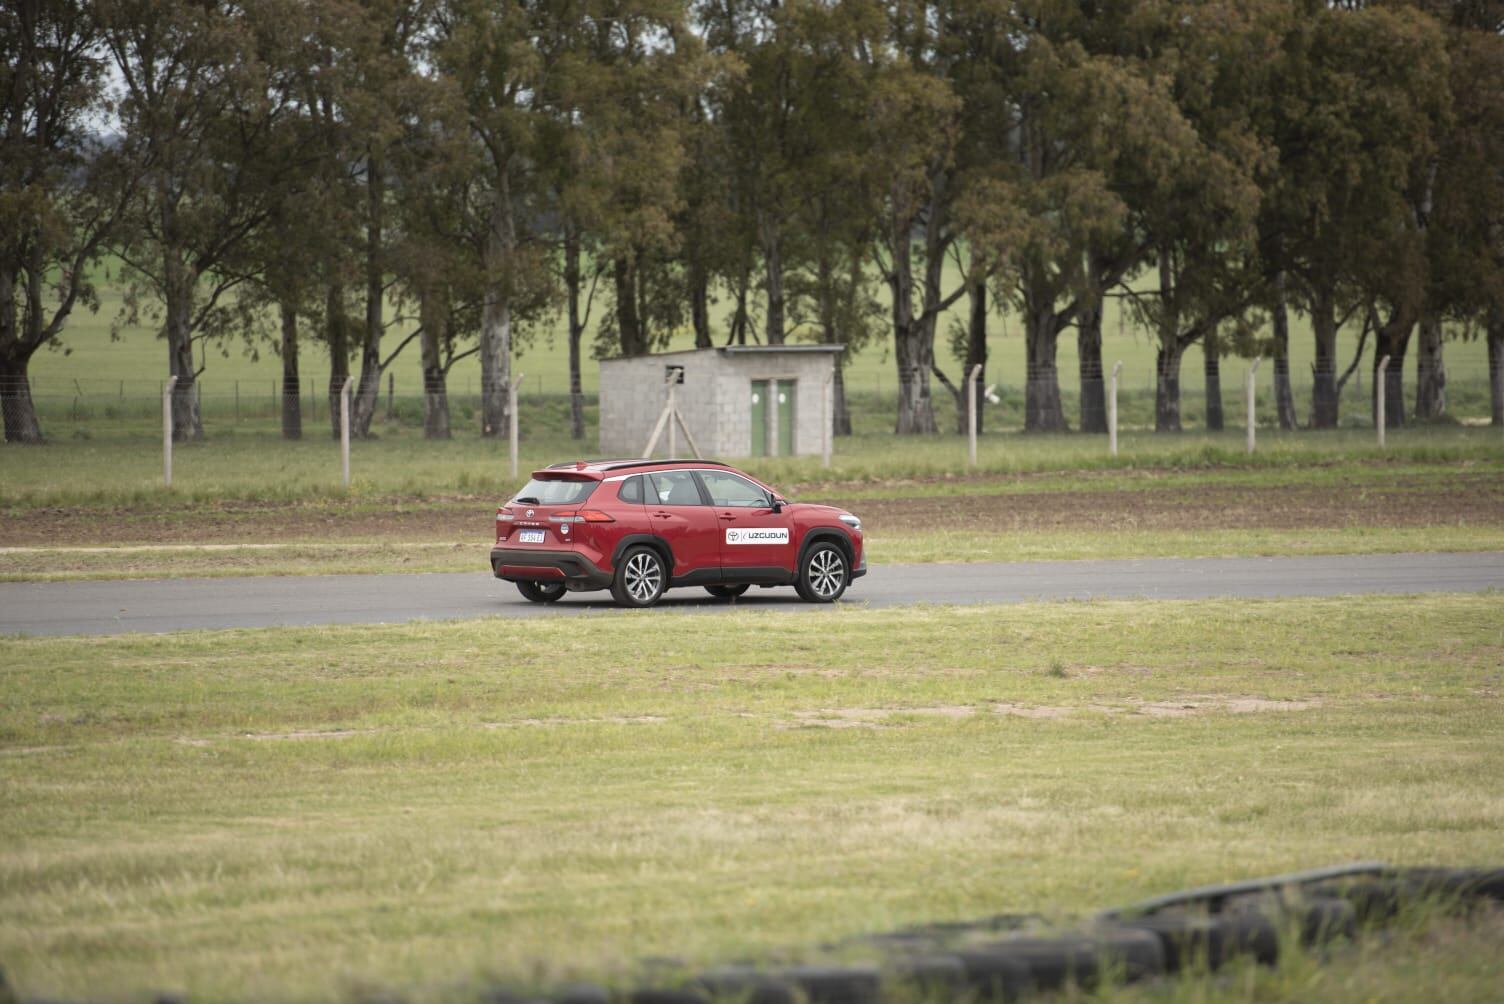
point(738, 350)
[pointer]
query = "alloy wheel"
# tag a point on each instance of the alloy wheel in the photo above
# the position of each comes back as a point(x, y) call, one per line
point(827, 573)
point(644, 577)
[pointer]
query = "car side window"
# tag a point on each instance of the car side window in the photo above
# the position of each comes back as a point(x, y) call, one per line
point(729, 490)
point(631, 490)
point(673, 488)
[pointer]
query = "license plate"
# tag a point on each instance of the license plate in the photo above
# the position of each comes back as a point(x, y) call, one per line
point(530, 536)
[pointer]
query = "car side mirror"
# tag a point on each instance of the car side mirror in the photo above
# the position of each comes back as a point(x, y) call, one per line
point(778, 504)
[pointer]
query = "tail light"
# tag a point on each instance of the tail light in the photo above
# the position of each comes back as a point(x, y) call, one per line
point(503, 513)
point(581, 516)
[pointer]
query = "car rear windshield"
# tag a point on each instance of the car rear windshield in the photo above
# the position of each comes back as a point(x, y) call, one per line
point(556, 491)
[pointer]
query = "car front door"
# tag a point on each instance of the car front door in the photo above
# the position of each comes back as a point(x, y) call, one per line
point(679, 514)
point(753, 536)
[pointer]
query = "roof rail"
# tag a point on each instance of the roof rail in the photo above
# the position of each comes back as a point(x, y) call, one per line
point(651, 463)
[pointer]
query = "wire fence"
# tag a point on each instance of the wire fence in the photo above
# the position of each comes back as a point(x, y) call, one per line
point(872, 400)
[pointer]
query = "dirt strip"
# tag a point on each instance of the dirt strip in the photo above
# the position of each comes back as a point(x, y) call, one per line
point(1463, 499)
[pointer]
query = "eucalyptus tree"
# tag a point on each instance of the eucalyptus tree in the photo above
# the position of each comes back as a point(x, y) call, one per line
point(204, 95)
point(914, 119)
point(1465, 243)
point(620, 85)
point(1088, 137)
point(1202, 215)
point(1350, 113)
point(489, 52)
point(382, 100)
point(61, 188)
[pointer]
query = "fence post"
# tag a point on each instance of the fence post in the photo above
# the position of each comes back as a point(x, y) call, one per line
point(1252, 394)
point(167, 430)
point(1380, 386)
point(512, 418)
point(1112, 409)
point(971, 414)
point(344, 431)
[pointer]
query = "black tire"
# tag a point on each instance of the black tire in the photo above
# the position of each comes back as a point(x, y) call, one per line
point(726, 592)
point(824, 573)
point(541, 592)
point(641, 578)
point(835, 984)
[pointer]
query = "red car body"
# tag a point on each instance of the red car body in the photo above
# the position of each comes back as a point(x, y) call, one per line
point(639, 527)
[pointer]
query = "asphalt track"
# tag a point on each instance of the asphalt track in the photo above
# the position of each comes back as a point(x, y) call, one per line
point(153, 606)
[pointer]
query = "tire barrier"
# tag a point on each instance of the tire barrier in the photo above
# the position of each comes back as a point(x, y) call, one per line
point(1012, 957)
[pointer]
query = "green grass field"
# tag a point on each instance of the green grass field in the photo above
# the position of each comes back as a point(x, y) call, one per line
point(297, 814)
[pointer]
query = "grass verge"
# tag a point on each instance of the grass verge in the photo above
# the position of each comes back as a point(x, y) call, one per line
point(69, 564)
point(295, 813)
point(122, 468)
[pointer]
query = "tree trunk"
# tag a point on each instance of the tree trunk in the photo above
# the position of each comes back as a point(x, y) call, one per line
point(1393, 341)
point(1043, 411)
point(1430, 371)
point(912, 357)
point(368, 390)
point(628, 318)
point(20, 411)
point(1167, 387)
point(772, 250)
point(1496, 365)
point(699, 304)
point(576, 331)
point(292, 385)
point(840, 409)
point(737, 335)
point(496, 315)
point(187, 424)
point(976, 355)
point(21, 425)
point(826, 292)
point(1284, 399)
point(1324, 403)
point(337, 334)
point(1212, 370)
point(433, 310)
point(1089, 351)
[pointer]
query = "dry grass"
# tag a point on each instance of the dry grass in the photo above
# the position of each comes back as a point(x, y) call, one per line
point(286, 814)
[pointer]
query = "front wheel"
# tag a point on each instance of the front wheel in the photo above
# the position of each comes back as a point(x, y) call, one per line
point(541, 592)
point(726, 592)
point(823, 575)
point(640, 578)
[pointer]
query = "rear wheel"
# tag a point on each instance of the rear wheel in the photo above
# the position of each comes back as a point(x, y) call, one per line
point(640, 578)
point(541, 592)
point(823, 574)
point(726, 592)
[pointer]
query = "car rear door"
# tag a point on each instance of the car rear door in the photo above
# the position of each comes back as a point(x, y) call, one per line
point(681, 515)
point(752, 535)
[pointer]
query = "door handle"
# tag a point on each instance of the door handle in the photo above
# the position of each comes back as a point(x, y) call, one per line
point(663, 515)
point(728, 515)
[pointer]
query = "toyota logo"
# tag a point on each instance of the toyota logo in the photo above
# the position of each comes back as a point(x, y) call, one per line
point(530, 514)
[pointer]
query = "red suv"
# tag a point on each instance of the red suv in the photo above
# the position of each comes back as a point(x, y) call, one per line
point(639, 527)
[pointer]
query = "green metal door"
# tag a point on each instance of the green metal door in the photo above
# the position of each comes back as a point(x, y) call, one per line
point(786, 418)
point(759, 418)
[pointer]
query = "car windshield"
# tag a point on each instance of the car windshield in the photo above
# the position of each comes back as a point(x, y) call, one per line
point(555, 491)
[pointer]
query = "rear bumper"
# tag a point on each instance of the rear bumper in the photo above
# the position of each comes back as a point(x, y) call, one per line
point(526, 564)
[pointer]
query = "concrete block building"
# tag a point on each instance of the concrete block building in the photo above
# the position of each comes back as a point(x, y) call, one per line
point(738, 401)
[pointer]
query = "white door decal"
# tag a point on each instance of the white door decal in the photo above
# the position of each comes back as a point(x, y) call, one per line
point(758, 535)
